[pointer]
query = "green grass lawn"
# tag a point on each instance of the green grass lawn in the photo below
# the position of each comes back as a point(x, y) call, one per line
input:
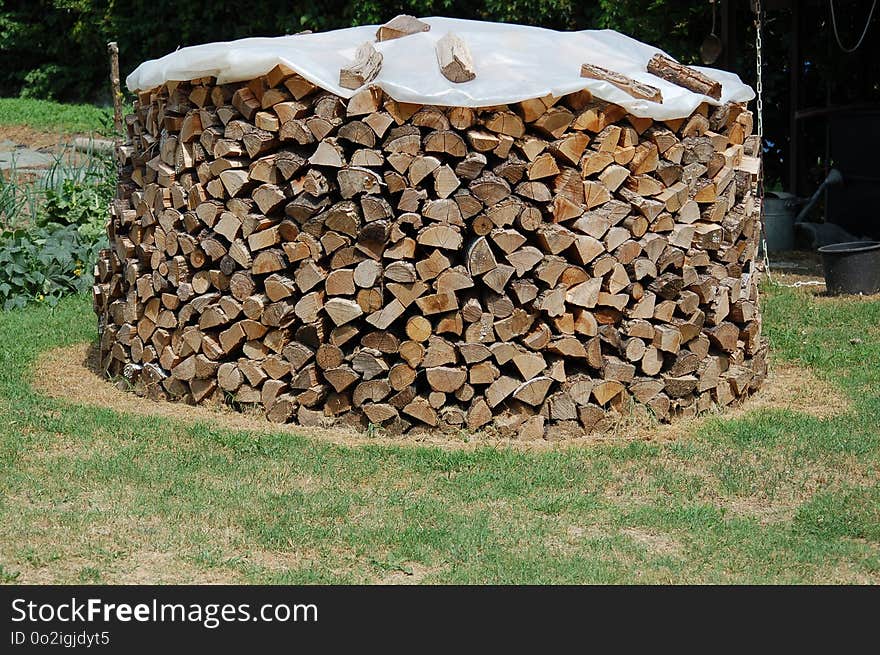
point(90, 495)
point(55, 116)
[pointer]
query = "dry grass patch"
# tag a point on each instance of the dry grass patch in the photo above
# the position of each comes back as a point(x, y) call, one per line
point(156, 567)
point(105, 535)
point(409, 573)
point(656, 543)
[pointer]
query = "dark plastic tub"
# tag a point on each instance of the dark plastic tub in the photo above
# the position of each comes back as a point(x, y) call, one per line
point(852, 267)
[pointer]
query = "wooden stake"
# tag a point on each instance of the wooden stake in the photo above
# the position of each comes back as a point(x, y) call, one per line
point(115, 88)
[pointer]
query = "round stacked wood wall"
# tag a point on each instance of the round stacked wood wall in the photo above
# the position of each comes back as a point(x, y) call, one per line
point(535, 269)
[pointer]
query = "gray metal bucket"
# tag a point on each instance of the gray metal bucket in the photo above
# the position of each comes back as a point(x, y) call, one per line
point(780, 209)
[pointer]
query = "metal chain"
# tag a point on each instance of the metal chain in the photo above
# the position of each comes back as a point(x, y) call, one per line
point(759, 91)
point(759, 84)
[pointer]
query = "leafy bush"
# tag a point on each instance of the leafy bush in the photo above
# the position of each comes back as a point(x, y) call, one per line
point(45, 263)
point(41, 82)
point(51, 230)
point(74, 204)
point(82, 202)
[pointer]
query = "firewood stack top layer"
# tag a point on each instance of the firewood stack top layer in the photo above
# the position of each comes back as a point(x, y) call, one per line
point(451, 62)
point(533, 269)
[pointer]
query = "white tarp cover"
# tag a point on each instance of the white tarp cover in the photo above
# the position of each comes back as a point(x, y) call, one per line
point(512, 63)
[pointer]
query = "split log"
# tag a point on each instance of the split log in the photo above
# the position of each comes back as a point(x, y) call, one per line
point(685, 76)
point(366, 65)
point(400, 26)
point(626, 84)
point(454, 58)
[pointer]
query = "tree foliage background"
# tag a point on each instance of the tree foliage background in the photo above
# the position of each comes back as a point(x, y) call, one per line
point(56, 49)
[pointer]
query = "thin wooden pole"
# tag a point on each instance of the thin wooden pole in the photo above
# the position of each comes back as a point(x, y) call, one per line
point(113, 49)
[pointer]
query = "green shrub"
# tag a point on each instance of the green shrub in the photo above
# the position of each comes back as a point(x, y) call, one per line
point(75, 189)
point(82, 202)
point(45, 263)
point(41, 82)
point(51, 230)
point(75, 203)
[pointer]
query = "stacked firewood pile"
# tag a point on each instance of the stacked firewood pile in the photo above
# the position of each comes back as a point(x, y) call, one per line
point(510, 267)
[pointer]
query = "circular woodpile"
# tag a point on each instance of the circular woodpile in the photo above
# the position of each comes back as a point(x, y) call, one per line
point(533, 267)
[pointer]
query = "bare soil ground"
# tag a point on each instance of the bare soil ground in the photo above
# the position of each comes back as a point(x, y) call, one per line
point(35, 139)
point(42, 145)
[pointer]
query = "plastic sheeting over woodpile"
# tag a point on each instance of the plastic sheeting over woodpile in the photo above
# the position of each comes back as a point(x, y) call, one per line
point(512, 63)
